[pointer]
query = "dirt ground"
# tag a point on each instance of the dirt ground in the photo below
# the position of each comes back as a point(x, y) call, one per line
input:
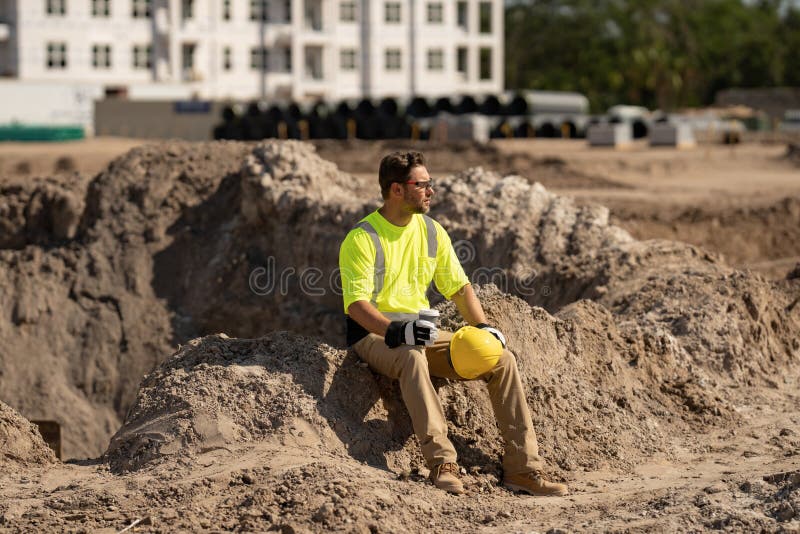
point(663, 376)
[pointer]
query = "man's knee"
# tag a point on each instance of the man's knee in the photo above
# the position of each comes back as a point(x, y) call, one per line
point(411, 359)
point(506, 362)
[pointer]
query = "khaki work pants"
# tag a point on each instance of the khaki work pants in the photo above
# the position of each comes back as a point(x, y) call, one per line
point(413, 366)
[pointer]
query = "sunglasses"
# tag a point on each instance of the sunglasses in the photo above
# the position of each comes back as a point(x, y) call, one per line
point(428, 184)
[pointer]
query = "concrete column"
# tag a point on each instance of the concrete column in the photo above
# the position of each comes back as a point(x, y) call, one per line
point(174, 40)
point(210, 83)
point(413, 46)
point(365, 24)
point(298, 51)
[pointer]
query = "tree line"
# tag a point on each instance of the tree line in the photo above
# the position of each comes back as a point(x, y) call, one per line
point(661, 54)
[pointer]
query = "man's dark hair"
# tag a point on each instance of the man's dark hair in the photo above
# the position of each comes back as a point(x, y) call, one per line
point(396, 168)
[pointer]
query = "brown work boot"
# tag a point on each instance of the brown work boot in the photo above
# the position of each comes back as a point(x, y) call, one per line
point(534, 484)
point(445, 477)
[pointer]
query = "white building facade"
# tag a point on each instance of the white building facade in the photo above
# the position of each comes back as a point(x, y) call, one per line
point(249, 49)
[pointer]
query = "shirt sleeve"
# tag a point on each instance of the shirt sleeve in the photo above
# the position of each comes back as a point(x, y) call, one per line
point(449, 276)
point(357, 267)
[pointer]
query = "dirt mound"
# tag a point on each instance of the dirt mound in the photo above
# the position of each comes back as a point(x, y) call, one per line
point(249, 275)
point(20, 441)
point(763, 238)
point(180, 240)
point(552, 252)
point(362, 157)
point(81, 323)
point(218, 391)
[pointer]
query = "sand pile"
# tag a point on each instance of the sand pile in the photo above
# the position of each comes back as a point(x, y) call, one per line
point(20, 441)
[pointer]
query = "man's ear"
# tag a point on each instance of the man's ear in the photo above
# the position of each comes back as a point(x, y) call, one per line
point(395, 189)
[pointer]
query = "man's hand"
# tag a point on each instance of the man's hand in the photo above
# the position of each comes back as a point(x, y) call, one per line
point(410, 333)
point(494, 331)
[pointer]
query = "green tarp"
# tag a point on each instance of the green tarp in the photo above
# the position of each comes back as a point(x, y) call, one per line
point(17, 132)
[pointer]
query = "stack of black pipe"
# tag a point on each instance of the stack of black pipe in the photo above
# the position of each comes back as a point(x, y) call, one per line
point(370, 119)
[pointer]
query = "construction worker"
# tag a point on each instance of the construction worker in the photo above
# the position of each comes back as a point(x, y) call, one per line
point(387, 263)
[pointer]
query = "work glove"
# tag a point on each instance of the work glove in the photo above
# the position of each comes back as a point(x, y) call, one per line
point(417, 332)
point(494, 331)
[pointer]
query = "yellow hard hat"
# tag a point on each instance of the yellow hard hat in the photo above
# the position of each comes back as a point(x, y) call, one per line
point(474, 351)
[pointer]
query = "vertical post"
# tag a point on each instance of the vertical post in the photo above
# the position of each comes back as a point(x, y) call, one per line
point(262, 43)
point(412, 47)
point(365, 22)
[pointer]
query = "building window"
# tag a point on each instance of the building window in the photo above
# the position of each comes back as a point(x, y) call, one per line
point(435, 59)
point(101, 56)
point(287, 11)
point(226, 9)
point(142, 56)
point(259, 10)
point(314, 67)
point(347, 11)
point(187, 9)
point(287, 59)
point(56, 55)
point(485, 17)
point(435, 12)
point(142, 9)
point(187, 57)
point(227, 58)
point(347, 59)
point(462, 61)
point(314, 16)
point(56, 7)
point(393, 59)
point(259, 58)
point(462, 15)
point(486, 63)
point(392, 12)
point(101, 8)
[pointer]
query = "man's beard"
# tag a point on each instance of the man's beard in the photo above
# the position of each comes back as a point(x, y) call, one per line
point(416, 206)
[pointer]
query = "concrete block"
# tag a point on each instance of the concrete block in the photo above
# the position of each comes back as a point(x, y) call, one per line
point(472, 127)
point(617, 135)
point(674, 135)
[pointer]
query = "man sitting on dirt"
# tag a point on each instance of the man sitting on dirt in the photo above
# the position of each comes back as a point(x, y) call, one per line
point(387, 263)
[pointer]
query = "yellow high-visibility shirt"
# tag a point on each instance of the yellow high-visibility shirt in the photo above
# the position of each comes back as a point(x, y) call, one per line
point(408, 269)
